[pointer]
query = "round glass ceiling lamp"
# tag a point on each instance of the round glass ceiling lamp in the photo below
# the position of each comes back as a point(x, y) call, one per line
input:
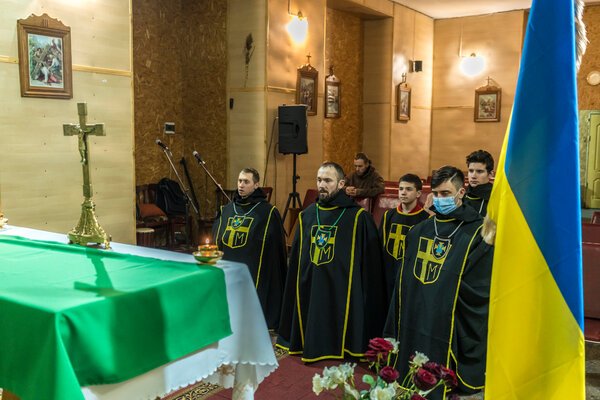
point(472, 65)
point(298, 27)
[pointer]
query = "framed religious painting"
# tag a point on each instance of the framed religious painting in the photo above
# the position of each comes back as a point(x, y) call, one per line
point(307, 88)
point(487, 104)
point(332, 96)
point(403, 102)
point(44, 57)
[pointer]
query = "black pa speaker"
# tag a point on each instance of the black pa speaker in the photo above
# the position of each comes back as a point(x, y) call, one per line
point(292, 129)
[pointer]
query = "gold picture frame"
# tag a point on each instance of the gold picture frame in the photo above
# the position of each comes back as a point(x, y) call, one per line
point(44, 45)
point(307, 88)
point(488, 101)
point(333, 107)
point(403, 102)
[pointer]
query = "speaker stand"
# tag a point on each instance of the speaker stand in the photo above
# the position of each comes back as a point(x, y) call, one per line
point(293, 196)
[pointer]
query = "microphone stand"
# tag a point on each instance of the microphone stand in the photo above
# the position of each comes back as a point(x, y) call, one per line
point(187, 203)
point(201, 162)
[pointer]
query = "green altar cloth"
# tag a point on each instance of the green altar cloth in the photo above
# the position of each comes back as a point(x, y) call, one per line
point(73, 316)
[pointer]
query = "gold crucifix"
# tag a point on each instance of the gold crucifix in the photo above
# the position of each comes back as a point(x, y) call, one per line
point(88, 230)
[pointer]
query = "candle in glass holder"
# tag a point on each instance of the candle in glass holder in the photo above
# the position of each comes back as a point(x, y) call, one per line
point(208, 253)
point(207, 247)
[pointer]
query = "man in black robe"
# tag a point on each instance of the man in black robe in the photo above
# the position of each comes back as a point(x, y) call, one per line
point(334, 299)
point(249, 230)
point(480, 165)
point(396, 223)
point(441, 298)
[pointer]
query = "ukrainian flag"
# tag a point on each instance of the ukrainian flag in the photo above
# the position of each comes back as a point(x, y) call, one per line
point(535, 340)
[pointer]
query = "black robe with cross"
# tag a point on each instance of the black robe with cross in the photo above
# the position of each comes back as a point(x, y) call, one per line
point(393, 228)
point(334, 299)
point(254, 236)
point(441, 297)
point(478, 197)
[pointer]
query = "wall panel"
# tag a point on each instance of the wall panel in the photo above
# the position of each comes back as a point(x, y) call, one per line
point(343, 49)
point(498, 37)
point(41, 178)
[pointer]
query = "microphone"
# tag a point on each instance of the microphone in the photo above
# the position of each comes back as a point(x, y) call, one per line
point(161, 144)
point(200, 160)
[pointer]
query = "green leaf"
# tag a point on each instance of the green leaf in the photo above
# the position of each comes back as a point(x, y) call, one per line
point(369, 380)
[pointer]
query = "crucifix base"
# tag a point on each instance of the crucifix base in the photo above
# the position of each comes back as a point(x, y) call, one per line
point(88, 230)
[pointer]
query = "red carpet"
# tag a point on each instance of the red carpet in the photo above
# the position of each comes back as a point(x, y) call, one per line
point(293, 380)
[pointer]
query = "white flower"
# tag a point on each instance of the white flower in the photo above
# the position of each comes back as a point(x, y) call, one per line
point(420, 358)
point(328, 384)
point(347, 370)
point(335, 374)
point(317, 384)
point(394, 343)
point(353, 393)
point(380, 393)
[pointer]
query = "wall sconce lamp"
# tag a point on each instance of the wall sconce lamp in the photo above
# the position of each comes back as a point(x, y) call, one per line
point(298, 26)
point(472, 65)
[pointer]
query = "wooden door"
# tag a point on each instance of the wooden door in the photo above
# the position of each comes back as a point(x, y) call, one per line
point(592, 195)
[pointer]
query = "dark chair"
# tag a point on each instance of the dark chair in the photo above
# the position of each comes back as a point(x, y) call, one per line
point(391, 187)
point(309, 198)
point(424, 193)
point(364, 202)
point(591, 294)
point(222, 200)
point(384, 202)
point(596, 217)
point(268, 191)
point(590, 233)
point(149, 215)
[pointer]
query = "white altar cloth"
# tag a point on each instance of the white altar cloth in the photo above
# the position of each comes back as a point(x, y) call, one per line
point(240, 361)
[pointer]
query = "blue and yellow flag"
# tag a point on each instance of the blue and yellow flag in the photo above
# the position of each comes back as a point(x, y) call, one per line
point(535, 340)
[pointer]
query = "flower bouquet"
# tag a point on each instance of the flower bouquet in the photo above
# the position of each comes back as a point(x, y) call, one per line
point(423, 376)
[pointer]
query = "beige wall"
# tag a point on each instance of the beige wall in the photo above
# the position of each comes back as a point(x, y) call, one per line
point(41, 178)
point(498, 37)
point(246, 120)
point(377, 97)
point(410, 140)
point(283, 59)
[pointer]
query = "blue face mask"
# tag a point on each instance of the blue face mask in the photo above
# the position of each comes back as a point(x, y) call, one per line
point(445, 205)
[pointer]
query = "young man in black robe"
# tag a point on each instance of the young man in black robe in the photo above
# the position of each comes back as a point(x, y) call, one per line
point(334, 299)
point(441, 298)
point(480, 165)
point(396, 223)
point(249, 230)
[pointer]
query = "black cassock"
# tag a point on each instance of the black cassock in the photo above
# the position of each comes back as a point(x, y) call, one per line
point(478, 197)
point(334, 299)
point(254, 236)
point(393, 229)
point(441, 297)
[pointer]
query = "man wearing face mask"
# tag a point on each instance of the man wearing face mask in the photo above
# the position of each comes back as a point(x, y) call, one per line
point(335, 293)
point(441, 296)
point(249, 230)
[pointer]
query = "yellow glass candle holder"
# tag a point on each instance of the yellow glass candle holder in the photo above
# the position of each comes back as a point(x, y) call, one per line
point(208, 254)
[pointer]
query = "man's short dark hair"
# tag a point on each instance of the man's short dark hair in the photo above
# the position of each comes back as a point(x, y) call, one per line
point(446, 173)
point(339, 171)
point(255, 175)
point(481, 156)
point(412, 178)
point(362, 156)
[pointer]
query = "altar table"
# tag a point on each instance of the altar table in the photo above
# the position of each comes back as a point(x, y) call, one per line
point(241, 360)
